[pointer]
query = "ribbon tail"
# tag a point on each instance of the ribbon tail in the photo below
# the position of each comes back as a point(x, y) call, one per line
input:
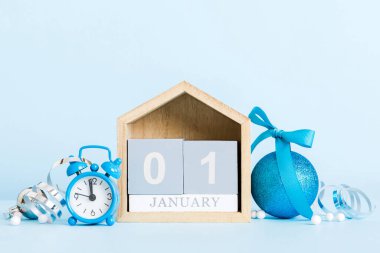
point(50, 181)
point(289, 179)
point(303, 137)
point(260, 138)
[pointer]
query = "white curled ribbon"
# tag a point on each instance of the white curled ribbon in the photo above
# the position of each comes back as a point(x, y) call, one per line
point(40, 200)
point(351, 207)
point(60, 162)
point(43, 199)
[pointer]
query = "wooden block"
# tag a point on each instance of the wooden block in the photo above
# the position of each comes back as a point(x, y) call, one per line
point(183, 203)
point(186, 112)
point(155, 166)
point(210, 167)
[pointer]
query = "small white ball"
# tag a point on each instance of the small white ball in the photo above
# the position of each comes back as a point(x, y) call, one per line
point(15, 220)
point(329, 216)
point(254, 214)
point(42, 219)
point(316, 219)
point(260, 214)
point(340, 217)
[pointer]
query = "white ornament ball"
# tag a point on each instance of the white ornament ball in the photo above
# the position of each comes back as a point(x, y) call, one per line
point(329, 216)
point(260, 214)
point(316, 219)
point(15, 220)
point(253, 214)
point(42, 219)
point(340, 217)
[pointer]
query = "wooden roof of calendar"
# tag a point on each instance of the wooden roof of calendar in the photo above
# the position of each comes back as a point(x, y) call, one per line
point(176, 91)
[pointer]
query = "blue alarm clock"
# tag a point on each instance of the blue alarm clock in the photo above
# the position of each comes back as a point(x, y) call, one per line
point(92, 197)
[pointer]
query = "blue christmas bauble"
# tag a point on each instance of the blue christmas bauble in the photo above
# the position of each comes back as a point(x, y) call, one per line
point(269, 192)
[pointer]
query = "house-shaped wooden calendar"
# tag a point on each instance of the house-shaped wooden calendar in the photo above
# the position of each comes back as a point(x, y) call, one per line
point(163, 139)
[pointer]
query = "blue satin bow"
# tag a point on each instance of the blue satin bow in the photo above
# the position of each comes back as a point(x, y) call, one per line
point(287, 173)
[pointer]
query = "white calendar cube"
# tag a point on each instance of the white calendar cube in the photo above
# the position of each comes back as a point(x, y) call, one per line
point(210, 167)
point(155, 166)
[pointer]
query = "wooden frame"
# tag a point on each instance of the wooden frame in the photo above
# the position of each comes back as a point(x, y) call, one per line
point(186, 112)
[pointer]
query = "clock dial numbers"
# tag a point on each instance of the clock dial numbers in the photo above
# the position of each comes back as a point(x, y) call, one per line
point(83, 202)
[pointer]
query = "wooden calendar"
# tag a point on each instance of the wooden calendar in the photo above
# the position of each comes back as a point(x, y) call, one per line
point(186, 158)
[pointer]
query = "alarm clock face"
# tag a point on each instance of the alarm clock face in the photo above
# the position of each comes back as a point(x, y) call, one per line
point(91, 197)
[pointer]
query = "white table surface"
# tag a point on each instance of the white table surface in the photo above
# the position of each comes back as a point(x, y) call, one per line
point(269, 235)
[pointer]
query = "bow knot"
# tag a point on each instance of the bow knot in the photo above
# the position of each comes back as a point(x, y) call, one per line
point(285, 166)
point(303, 137)
point(277, 133)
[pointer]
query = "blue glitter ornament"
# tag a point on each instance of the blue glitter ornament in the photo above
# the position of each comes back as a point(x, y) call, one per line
point(282, 163)
point(268, 190)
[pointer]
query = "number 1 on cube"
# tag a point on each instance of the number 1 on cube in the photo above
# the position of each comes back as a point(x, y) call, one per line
point(210, 160)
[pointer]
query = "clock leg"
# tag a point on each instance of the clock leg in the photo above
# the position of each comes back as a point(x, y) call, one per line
point(110, 221)
point(72, 221)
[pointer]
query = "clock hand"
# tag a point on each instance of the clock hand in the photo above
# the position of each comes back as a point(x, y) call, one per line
point(92, 196)
point(91, 187)
point(82, 195)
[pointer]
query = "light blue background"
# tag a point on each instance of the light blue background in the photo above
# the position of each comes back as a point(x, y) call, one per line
point(68, 69)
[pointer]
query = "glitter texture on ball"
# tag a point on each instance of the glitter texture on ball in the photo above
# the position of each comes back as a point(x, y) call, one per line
point(269, 192)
